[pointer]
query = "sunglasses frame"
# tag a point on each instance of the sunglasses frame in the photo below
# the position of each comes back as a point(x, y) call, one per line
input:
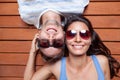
point(56, 43)
point(84, 34)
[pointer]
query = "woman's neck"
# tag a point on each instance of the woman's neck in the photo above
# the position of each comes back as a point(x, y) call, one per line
point(77, 62)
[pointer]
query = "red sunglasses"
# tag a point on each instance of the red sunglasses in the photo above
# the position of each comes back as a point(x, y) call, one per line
point(56, 43)
point(84, 34)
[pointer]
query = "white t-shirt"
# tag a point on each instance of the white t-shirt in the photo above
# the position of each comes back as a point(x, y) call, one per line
point(31, 10)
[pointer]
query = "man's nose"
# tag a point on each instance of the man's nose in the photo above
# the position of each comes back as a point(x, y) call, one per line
point(51, 34)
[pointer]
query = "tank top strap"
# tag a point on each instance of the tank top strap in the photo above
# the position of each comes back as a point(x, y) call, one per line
point(98, 68)
point(63, 69)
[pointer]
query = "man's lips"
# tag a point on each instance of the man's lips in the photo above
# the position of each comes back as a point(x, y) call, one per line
point(52, 29)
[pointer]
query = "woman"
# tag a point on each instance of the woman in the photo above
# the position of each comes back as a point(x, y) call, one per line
point(87, 58)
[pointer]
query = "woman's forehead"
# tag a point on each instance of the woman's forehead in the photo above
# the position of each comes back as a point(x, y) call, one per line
point(78, 25)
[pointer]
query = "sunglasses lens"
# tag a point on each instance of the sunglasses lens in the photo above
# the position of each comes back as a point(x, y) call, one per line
point(44, 43)
point(85, 34)
point(70, 34)
point(58, 43)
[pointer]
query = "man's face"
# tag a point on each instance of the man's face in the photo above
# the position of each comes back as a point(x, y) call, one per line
point(51, 30)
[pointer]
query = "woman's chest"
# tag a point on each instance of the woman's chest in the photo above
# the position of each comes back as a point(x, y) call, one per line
point(90, 74)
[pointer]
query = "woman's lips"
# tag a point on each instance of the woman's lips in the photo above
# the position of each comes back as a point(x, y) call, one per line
point(78, 46)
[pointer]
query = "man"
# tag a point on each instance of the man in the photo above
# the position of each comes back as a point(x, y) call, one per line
point(49, 42)
point(51, 35)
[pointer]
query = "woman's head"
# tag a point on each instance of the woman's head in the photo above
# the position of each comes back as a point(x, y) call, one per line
point(94, 43)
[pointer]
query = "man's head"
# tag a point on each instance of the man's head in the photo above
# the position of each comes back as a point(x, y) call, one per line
point(51, 34)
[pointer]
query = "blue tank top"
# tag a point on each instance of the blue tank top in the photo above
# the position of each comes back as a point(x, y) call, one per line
point(100, 73)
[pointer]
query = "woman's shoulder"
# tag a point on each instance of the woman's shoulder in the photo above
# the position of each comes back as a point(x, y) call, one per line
point(103, 61)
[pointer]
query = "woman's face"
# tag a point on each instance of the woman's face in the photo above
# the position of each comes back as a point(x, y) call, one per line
point(78, 39)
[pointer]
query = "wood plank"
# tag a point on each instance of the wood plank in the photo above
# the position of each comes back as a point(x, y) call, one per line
point(21, 59)
point(103, 8)
point(17, 34)
point(8, 0)
point(15, 46)
point(12, 22)
point(9, 9)
point(13, 71)
point(117, 57)
point(94, 8)
point(107, 34)
point(28, 34)
point(17, 59)
point(13, 59)
point(105, 21)
point(114, 47)
point(14, 78)
point(97, 21)
point(10, 78)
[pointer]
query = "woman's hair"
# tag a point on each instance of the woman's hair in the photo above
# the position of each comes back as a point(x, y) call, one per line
point(97, 47)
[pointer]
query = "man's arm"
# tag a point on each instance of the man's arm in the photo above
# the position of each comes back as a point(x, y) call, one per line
point(42, 74)
point(30, 72)
point(30, 67)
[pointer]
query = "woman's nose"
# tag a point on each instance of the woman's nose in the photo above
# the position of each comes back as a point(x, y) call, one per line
point(78, 38)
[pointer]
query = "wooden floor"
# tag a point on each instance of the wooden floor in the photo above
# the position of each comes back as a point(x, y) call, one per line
point(16, 36)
